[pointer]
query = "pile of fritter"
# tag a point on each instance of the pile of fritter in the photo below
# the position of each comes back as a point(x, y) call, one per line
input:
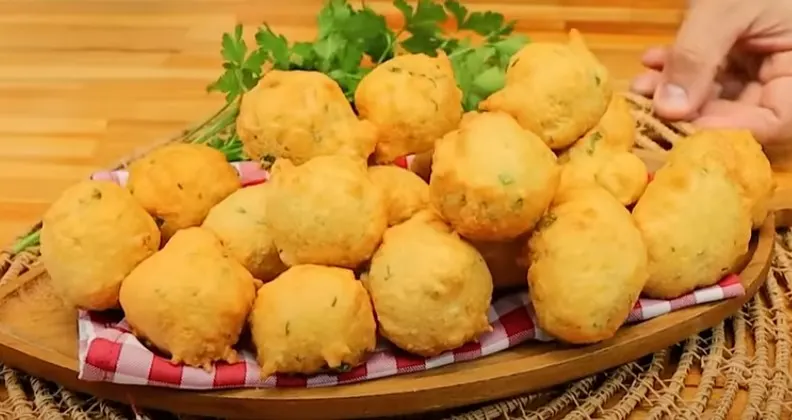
point(536, 190)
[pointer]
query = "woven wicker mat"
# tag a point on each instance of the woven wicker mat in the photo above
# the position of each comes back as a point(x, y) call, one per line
point(739, 369)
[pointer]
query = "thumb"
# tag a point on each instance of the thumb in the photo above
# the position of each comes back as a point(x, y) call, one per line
point(707, 34)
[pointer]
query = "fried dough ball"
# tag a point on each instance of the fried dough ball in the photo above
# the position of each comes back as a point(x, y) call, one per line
point(695, 226)
point(615, 132)
point(405, 192)
point(623, 174)
point(558, 91)
point(603, 156)
point(588, 264)
point(431, 290)
point(326, 211)
point(505, 262)
point(92, 236)
point(189, 300)
point(491, 179)
point(312, 317)
point(299, 115)
point(741, 155)
point(240, 222)
point(413, 99)
point(179, 183)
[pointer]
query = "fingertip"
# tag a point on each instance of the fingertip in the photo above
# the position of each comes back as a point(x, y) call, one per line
point(645, 84)
point(672, 102)
point(655, 57)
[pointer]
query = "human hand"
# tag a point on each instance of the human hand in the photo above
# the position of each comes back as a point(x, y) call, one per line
point(729, 67)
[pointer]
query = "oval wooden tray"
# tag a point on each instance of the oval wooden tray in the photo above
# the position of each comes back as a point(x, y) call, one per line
point(39, 335)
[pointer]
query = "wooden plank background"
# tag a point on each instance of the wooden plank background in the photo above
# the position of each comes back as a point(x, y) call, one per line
point(85, 82)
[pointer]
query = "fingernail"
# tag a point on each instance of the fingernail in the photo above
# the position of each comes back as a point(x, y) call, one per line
point(673, 96)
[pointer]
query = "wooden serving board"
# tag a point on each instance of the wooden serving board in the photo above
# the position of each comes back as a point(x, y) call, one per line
point(38, 334)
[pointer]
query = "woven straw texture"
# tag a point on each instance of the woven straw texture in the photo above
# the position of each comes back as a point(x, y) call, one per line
point(739, 369)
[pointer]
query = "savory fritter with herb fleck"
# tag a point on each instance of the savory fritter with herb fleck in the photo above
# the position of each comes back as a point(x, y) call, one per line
point(615, 132)
point(492, 179)
point(431, 290)
point(92, 236)
point(405, 192)
point(603, 156)
point(311, 318)
point(588, 264)
point(558, 91)
point(740, 155)
point(695, 225)
point(326, 211)
point(189, 300)
point(240, 222)
point(299, 115)
point(623, 174)
point(179, 183)
point(413, 99)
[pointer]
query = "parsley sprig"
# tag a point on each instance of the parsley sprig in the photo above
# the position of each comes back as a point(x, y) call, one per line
point(351, 41)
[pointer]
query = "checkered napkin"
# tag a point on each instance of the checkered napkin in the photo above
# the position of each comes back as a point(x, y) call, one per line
point(110, 352)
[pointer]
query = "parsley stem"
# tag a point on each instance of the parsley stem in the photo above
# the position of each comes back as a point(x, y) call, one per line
point(30, 240)
point(216, 124)
point(191, 132)
point(391, 43)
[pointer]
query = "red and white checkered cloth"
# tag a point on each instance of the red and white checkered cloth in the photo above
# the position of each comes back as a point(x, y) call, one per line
point(110, 352)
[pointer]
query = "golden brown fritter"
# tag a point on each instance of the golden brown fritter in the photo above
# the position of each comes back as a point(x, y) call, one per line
point(603, 156)
point(240, 222)
point(299, 115)
point(310, 318)
point(326, 211)
point(189, 300)
point(431, 290)
point(695, 226)
point(492, 187)
point(615, 132)
point(179, 183)
point(623, 174)
point(413, 99)
point(588, 264)
point(93, 235)
point(405, 192)
point(558, 91)
point(741, 156)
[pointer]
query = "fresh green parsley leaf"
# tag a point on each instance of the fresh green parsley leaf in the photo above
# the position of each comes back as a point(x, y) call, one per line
point(348, 35)
point(303, 56)
point(489, 81)
point(424, 25)
point(231, 146)
point(234, 48)
point(457, 10)
point(273, 47)
point(332, 16)
point(507, 47)
point(370, 32)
